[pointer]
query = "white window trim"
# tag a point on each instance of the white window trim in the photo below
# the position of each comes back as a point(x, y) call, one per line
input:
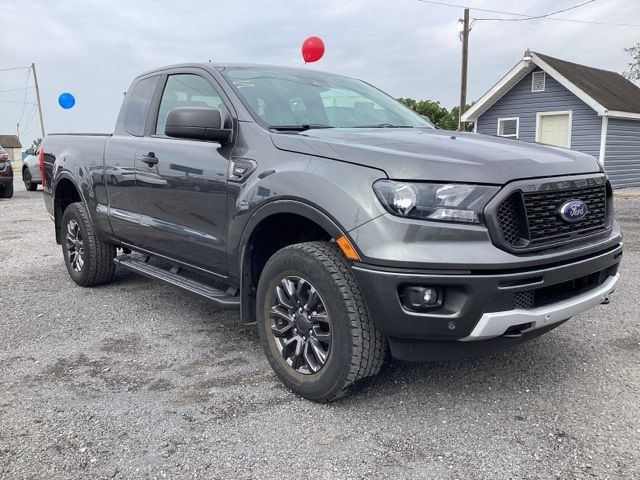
point(617, 114)
point(539, 115)
point(517, 135)
point(544, 81)
point(603, 138)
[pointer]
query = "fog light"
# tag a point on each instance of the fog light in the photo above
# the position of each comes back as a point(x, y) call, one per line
point(429, 296)
point(421, 298)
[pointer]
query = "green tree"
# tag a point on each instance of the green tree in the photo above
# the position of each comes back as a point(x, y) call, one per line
point(34, 146)
point(633, 73)
point(439, 115)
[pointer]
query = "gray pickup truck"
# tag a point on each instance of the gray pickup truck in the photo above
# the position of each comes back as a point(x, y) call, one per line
point(343, 223)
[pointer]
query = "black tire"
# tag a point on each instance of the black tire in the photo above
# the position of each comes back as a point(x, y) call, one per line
point(6, 191)
point(357, 348)
point(28, 184)
point(97, 265)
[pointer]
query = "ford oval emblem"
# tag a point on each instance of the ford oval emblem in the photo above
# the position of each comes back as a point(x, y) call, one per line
point(573, 211)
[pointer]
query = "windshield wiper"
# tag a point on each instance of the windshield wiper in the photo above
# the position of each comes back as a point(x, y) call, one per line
point(298, 128)
point(384, 125)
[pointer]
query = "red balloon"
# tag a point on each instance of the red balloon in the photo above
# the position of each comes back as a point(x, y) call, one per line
point(312, 49)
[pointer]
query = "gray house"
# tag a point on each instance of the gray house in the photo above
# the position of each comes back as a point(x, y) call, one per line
point(547, 100)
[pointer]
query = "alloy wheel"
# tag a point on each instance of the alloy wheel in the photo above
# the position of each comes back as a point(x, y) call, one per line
point(300, 325)
point(75, 245)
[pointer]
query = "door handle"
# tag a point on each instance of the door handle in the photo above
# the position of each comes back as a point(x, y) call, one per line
point(150, 159)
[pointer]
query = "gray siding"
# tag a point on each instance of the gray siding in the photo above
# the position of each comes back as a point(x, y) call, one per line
point(622, 152)
point(521, 102)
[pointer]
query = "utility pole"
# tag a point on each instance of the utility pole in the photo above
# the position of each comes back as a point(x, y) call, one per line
point(35, 80)
point(464, 36)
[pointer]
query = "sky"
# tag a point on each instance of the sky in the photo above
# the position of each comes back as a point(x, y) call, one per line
point(408, 48)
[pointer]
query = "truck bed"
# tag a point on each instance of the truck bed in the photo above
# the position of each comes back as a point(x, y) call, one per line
point(65, 152)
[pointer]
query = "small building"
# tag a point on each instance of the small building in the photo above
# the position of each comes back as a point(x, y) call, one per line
point(552, 101)
point(12, 145)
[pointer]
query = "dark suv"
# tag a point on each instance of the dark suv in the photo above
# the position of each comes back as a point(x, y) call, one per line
point(342, 222)
point(6, 175)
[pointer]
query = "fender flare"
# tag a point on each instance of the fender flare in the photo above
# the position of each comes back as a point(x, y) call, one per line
point(57, 218)
point(296, 207)
point(247, 303)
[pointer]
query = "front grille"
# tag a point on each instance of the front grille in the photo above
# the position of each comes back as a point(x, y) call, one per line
point(531, 219)
point(542, 213)
point(523, 299)
point(512, 220)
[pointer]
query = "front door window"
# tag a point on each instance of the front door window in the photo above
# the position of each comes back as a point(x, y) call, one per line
point(186, 90)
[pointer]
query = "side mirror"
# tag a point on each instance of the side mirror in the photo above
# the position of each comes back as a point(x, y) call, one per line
point(198, 123)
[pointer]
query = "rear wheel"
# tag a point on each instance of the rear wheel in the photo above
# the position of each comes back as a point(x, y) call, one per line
point(313, 322)
point(6, 191)
point(89, 261)
point(28, 184)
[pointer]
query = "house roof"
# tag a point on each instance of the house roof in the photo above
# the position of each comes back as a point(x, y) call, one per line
point(609, 89)
point(608, 93)
point(10, 141)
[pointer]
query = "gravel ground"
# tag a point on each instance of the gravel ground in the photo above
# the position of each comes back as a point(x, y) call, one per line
point(139, 380)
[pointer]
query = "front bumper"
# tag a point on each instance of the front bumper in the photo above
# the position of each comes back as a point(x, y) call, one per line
point(495, 324)
point(480, 304)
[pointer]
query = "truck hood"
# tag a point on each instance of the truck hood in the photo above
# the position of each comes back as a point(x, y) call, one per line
point(438, 155)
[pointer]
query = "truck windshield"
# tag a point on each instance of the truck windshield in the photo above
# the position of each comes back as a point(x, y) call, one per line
point(289, 99)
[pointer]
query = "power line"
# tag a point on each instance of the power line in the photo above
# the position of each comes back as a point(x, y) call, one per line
point(14, 68)
point(13, 101)
point(444, 4)
point(500, 12)
point(595, 22)
point(25, 127)
point(477, 9)
point(537, 17)
point(24, 100)
point(29, 123)
point(14, 90)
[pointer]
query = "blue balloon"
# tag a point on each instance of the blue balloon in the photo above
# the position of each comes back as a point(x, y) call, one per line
point(66, 100)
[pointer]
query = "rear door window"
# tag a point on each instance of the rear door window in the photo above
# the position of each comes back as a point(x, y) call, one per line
point(138, 103)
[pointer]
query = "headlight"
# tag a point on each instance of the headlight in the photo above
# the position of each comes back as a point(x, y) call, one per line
point(447, 202)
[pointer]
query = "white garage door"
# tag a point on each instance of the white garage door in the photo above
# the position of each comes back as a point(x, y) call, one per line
point(554, 129)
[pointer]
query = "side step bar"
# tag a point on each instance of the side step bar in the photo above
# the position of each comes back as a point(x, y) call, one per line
point(222, 298)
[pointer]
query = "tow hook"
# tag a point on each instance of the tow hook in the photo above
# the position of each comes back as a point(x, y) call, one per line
point(515, 331)
point(605, 299)
point(512, 334)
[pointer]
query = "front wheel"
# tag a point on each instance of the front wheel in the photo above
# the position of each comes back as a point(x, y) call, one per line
point(313, 322)
point(89, 260)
